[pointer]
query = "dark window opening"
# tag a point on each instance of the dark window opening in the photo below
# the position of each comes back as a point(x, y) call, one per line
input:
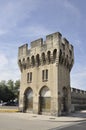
point(29, 77)
point(44, 75)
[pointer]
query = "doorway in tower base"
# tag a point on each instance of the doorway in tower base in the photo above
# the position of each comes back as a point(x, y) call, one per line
point(44, 100)
point(65, 100)
point(28, 100)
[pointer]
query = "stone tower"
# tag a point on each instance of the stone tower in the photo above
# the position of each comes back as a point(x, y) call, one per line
point(45, 75)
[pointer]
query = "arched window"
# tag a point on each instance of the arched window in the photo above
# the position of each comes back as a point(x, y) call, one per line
point(60, 55)
point(70, 52)
point(24, 63)
point(33, 61)
point(66, 59)
point(43, 58)
point(49, 56)
point(54, 55)
point(67, 62)
point(23, 60)
point(19, 62)
point(37, 59)
point(28, 62)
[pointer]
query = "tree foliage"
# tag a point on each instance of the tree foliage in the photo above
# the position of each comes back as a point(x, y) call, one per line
point(10, 84)
point(9, 90)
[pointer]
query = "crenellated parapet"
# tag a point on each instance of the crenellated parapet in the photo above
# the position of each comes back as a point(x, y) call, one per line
point(77, 91)
point(78, 96)
point(54, 50)
point(66, 55)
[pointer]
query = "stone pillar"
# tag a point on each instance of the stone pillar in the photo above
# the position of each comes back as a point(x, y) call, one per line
point(59, 104)
point(69, 100)
point(41, 60)
point(21, 103)
point(54, 106)
point(52, 57)
point(35, 104)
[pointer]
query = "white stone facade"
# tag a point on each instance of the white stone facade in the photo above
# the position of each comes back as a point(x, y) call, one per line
point(45, 75)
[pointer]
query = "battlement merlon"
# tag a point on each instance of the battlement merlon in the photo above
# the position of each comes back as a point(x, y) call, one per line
point(66, 43)
point(22, 51)
point(68, 47)
point(54, 40)
point(51, 39)
point(37, 43)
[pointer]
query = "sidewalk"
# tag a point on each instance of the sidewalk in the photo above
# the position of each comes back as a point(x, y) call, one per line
point(60, 122)
point(73, 117)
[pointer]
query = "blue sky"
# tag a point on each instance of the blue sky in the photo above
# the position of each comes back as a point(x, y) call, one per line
point(22, 21)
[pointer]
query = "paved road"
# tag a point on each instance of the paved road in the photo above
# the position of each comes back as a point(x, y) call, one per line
point(79, 126)
point(13, 121)
point(26, 121)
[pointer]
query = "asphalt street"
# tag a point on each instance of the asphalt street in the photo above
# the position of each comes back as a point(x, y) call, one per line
point(21, 121)
point(79, 126)
point(26, 121)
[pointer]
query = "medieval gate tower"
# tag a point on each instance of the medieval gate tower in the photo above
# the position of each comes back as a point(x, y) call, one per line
point(45, 75)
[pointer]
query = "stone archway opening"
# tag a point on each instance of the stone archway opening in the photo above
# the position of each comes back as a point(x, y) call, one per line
point(44, 100)
point(28, 100)
point(65, 99)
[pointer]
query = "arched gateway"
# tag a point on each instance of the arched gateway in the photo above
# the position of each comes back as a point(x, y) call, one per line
point(28, 100)
point(65, 99)
point(45, 99)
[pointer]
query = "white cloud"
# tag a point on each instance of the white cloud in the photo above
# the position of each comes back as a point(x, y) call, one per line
point(3, 60)
point(9, 69)
point(13, 12)
point(35, 30)
point(78, 77)
point(10, 74)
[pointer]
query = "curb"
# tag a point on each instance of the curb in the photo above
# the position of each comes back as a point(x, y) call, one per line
point(9, 110)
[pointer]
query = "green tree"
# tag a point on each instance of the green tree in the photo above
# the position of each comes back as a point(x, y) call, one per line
point(17, 84)
point(3, 83)
point(5, 94)
point(16, 89)
point(10, 84)
point(9, 90)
